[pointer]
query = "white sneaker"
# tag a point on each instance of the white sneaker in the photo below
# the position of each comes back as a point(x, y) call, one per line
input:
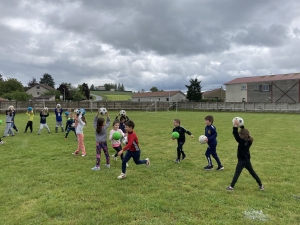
point(127, 165)
point(83, 155)
point(2, 142)
point(122, 175)
point(148, 162)
point(7, 135)
point(114, 157)
point(108, 166)
point(96, 168)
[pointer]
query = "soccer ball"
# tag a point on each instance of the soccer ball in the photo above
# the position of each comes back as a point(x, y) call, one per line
point(202, 139)
point(82, 111)
point(29, 108)
point(241, 121)
point(122, 112)
point(58, 106)
point(46, 109)
point(116, 135)
point(175, 135)
point(103, 111)
point(76, 111)
point(125, 140)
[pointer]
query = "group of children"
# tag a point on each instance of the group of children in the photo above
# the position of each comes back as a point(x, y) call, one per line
point(76, 122)
point(244, 143)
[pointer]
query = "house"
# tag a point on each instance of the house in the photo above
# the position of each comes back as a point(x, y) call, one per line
point(280, 88)
point(164, 96)
point(44, 98)
point(218, 93)
point(38, 89)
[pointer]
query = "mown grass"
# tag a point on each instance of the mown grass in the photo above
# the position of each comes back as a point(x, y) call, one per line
point(42, 183)
point(113, 95)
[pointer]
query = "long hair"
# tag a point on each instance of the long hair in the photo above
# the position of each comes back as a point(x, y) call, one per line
point(245, 134)
point(84, 120)
point(100, 122)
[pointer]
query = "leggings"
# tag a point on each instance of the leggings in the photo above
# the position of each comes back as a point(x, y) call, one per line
point(29, 124)
point(119, 148)
point(99, 147)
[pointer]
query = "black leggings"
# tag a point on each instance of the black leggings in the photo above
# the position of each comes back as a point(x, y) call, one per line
point(119, 148)
point(29, 124)
point(239, 168)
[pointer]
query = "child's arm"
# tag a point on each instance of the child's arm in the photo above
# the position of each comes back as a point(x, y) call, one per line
point(188, 132)
point(111, 134)
point(95, 120)
point(235, 131)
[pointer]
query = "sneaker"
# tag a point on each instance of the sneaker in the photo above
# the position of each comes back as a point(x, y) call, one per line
point(209, 167)
point(7, 135)
point(220, 168)
point(65, 138)
point(108, 166)
point(148, 162)
point(2, 142)
point(121, 176)
point(177, 160)
point(38, 134)
point(74, 153)
point(262, 188)
point(114, 157)
point(229, 188)
point(96, 168)
point(183, 157)
point(127, 165)
point(83, 155)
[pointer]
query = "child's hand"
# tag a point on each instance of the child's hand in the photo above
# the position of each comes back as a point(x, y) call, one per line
point(192, 136)
point(206, 140)
point(236, 123)
point(120, 152)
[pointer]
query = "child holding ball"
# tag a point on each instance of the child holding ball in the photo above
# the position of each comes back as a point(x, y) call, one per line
point(80, 135)
point(116, 144)
point(211, 134)
point(243, 154)
point(100, 132)
point(58, 114)
point(132, 148)
point(180, 140)
point(44, 114)
point(30, 115)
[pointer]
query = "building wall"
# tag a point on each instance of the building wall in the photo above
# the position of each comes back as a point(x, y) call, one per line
point(283, 91)
point(35, 91)
point(236, 92)
point(178, 97)
point(216, 94)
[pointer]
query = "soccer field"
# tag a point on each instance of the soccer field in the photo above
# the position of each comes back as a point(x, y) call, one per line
point(43, 183)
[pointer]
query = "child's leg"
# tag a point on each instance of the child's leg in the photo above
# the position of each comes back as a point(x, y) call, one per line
point(179, 149)
point(239, 168)
point(126, 158)
point(80, 142)
point(136, 158)
point(252, 172)
point(46, 126)
point(15, 127)
point(27, 125)
point(82, 145)
point(98, 152)
point(215, 155)
point(7, 129)
point(30, 126)
point(62, 127)
point(67, 132)
point(105, 150)
point(41, 127)
point(56, 127)
point(119, 148)
point(207, 154)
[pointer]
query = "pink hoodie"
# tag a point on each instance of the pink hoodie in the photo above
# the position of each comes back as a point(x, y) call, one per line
point(115, 143)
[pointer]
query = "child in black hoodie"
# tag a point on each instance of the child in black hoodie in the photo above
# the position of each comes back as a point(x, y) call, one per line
point(243, 154)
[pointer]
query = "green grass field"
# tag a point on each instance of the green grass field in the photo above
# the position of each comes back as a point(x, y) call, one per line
point(43, 183)
point(113, 95)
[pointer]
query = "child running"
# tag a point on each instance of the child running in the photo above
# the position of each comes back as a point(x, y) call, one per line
point(181, 140)
point(30, 115)
point(100, 132)
point(70, 126)
point(211, 140)
point(116, 144)
point(80, 135)
point(132, 148)
point(43, 114)
point(243, 154)
point(58, 113)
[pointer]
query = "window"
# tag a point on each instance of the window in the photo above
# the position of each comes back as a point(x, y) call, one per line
point(255, 87)
point(158, 99)
point(167, 99)
point(38, 93)
point(265, 87)
point(38, 87)
point(244, 88)
point(139, 100)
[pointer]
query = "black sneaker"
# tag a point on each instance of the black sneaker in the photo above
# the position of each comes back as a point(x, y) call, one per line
point(183, 157)
point(220, 168)
point(209, 167)
point(177, 160)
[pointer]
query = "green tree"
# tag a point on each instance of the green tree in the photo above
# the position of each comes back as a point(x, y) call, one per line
point(48, 80)
point(32, 82)
point(53, 92)
point(1, 77)
point(109, 86)
point(17, 95)
point(10, 85)
point(154, 89)
point(86, 91)
point(92, 88)
point(78, 96)
point(194, 90)
point(64, 90)
point(122, 88)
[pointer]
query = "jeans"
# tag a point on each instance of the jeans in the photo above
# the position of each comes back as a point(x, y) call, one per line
point(136, 158)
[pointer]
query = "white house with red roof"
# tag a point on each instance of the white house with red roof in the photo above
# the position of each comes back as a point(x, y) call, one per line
point(164, 96)
point(38, 89)
point(280, 88)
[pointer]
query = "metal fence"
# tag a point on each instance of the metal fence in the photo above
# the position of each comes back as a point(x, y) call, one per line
point(159, 106)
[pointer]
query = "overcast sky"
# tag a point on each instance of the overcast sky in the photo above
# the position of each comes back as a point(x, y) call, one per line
point(145, 43)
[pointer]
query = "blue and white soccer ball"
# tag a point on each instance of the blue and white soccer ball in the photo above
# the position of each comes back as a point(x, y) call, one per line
point(82, 111)
point(122, 112)
point(103, 111)
point(241, 121)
